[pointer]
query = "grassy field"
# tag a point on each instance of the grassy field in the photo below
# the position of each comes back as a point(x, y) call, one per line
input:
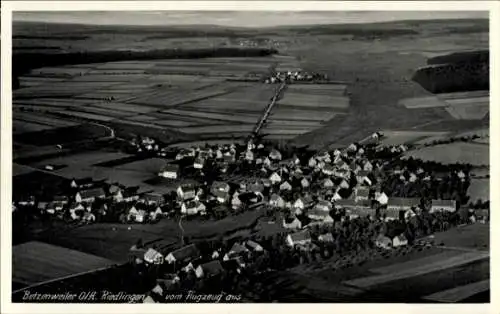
point(35, 262)
point(479, 190)
point(475, 154)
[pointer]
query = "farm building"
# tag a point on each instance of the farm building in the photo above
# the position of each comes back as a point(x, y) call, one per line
point(193, 208)
point(298, 238)
point(210, 269)
point(443, 205)
point(153, 199)
point(294, 223)
point(186, 192)
point(399, 240)
point(400, 203)
point(153, 257)
point(89, 196)
point(183, 255)
point(170, 171)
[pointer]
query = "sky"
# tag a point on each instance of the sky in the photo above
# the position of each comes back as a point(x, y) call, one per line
point(238, 18)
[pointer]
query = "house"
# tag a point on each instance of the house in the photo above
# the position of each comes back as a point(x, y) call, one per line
point(361, 194)
point(357, 212)
point(323, 206)
point(186, 192)
point(89, 196)
point(298, 238)
point(383, 242)
point(236, 203)
point(153, 257)
point(221, 196)
point(137, 215)
point(275, 154)
point(170, 171)
point(255, 187)
point(400, 203)
point(183, 255)
point(276, 201)
point(399, 240)
point(254, 246)
point(285, 186)
point(443, 205)
point(344, 184)
point(327, 237)
point(295, 223)
point(329, 170)
point(305, 183)
point(210, 269)
point(228, 157)
point(328, 183)
point(199, 163)
point(368, 166)
point(303, 202)
point(236, 250)
point(193, 208)
point(381, 198)
point(341, 173)
point(219, 186)
point(267, 162)
point(88, 217)
point(275, 178)
point(312, 162)
point(82, 183)
point(126, 195)
point(318, 215)
point(156, 214)
point(362, 178)
point(59, 199)
point(345, 203)
point(409, 214)
point(153, 199)
point(249, 156)
point(336, 196)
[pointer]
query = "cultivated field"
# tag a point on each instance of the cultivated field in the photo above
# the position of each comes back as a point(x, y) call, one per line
point(479, 189)
point(36, 262)
point(460, 105)
point(407, 137)
point(458, 152)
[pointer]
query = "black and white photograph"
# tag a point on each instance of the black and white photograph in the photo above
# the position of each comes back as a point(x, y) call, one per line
point(260, 156)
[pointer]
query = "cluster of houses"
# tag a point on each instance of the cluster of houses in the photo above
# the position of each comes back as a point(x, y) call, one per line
point(85, 199)
point(295, 76)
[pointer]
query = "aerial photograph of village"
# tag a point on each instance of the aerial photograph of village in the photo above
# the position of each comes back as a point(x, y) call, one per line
point(250, 157)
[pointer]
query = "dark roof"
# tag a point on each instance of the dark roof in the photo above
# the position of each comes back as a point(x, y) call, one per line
point(171, 167)
point(363, 192)
point(186, 252)
point(401, 201)
point(444, 203)
point(92, 193)
point(212, 268)
point(300, 236)
point(153, 197)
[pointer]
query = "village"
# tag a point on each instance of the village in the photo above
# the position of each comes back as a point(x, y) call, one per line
point(363, 197)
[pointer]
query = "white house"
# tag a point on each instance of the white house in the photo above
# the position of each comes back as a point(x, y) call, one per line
point(153, 257)
point(170, 171)
point(304, 183)
point(285, 186)
point(210, 269)
point(298, 238)
point(275, 178)
point(383, 242)
point(328, 183)
point(89, 196)
point(193, 208)
point(276, 201)
point(399, 240)
point(294, 224)
point(185, 192)
point(275, 154)
point(381, 198)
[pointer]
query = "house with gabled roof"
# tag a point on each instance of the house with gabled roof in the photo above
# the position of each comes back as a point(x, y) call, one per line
point(153, 257)
point(381, 198)
point(236, 250)
point(275, 154)
point(90, 195)
point(186, 192)
point(275, 178)
point(169, 171)
point(82, 183)
point(362, 177)
point(285, 186)
point(399, 240)
point(304, 183)
point(211, 269)
point(328, 183)
point(276, 201)
point(183, 255)
point(323, 205)
point(401, 203)
point(298, 238)
point(193, 208)
point(293, 223)
point(219, 186)
point(303, 202)
point(361, 194)
point(443, 205)
point(383, 242)
point(254, 246)
point(153, 199)
point(221, 196)
point(328, 170)
point(319, 216)
point(199, 163)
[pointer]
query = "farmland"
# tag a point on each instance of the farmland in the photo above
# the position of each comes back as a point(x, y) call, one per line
point(472, 153)
point(36, 262)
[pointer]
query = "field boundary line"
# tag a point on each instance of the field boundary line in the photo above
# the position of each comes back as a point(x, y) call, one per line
point(366, 282)
point(459, 293)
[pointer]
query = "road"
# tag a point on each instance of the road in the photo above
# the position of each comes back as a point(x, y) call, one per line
point(267, 112)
